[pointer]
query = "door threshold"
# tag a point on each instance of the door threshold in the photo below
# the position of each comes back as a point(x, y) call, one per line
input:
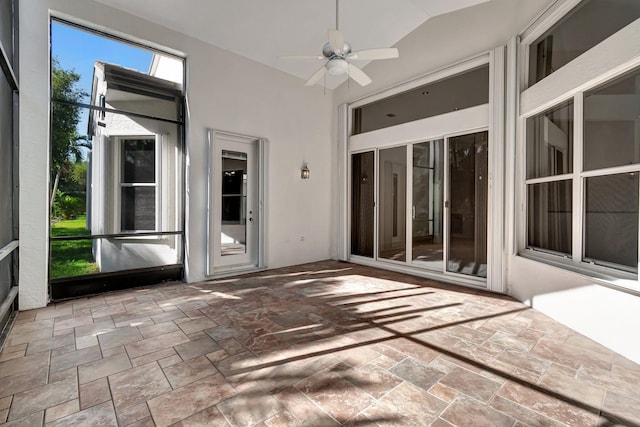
point(228, 272)
point(453, 278)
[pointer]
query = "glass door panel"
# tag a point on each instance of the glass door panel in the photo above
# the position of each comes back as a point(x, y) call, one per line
point(233, 218)
point(233, 204)
point(234, 213)
point(428, 202)
point(468, 191)
point(362, 204)
point(392, 241)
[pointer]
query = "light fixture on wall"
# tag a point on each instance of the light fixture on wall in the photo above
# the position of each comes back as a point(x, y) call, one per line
point(304, 172)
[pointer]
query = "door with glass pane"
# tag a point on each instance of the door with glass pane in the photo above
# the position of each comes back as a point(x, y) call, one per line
point(427, 212)
point(467, 204)
point(363, 204)
point(233, 204)
point(430, 213)
point(392, 193)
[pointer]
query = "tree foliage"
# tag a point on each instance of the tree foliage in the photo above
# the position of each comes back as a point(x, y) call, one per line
point(66, 142)
point(68, 171)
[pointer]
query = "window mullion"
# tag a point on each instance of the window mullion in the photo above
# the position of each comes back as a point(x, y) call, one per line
point(638, 270)
point(578, 184)
point(550, 178)
point(158, 178)
point(409, 205)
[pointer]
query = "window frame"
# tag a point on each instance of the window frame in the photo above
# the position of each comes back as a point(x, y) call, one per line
point(548, 18)
point(576, 260)
point(118, 169)
point(549, 178)
point(607, 61)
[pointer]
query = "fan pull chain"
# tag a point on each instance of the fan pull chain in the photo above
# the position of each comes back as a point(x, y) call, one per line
point(324, 87)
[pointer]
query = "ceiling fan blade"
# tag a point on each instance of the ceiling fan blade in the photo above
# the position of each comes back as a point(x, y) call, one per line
point(315, 78)
point(336, 40)
point(371, 54)
point(301, 57)
point(358, 75)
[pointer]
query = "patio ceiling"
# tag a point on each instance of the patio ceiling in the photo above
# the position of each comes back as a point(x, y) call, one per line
point(265, 30)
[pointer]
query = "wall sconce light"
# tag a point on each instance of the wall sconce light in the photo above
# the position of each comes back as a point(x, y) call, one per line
point(304, 172)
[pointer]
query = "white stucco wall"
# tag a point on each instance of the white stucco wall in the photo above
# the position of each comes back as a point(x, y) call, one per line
point(604, 314)
point(166, 67)
point(137, 252)
point(225, 91)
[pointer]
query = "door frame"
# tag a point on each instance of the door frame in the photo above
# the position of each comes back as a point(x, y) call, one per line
point(214, 268)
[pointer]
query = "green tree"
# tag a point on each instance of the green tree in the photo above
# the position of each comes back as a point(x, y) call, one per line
point(79, 175)
point(66, 142)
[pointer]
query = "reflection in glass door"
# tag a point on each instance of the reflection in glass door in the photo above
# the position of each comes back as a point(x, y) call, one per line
point(427, 204)
point(468, 196)
point(392, 240)
point(362, 204)
point(443, 224)
point(233, 203)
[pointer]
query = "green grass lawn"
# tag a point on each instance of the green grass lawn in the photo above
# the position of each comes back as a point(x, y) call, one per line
point(71, 257)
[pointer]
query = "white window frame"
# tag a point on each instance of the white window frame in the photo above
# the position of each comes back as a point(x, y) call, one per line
point(118, 174)
point(607, 61)
point(541, 24)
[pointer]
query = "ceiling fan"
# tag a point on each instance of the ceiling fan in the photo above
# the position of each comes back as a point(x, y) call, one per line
point(338, 56)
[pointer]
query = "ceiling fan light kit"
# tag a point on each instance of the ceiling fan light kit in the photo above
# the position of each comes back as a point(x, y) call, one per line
point(337, 66)
point(338, 55)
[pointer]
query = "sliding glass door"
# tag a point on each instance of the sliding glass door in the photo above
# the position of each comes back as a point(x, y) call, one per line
point(362, 204)
point(392, 210)
point(468, 195)
point(423, 204)
point(427, 211)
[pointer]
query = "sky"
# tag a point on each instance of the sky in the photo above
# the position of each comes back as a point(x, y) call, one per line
point(78, 50)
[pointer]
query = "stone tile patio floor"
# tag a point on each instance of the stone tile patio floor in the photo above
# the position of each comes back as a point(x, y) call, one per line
point(320, 344)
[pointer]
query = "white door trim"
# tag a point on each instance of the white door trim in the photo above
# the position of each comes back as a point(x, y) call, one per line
point(256, 260)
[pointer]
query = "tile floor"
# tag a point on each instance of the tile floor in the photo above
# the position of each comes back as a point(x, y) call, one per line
point(320, 344)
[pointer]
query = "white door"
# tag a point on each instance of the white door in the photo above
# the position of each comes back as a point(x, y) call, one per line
point(233, 203)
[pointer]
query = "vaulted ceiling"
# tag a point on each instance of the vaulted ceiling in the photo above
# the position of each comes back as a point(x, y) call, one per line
point(264, 30)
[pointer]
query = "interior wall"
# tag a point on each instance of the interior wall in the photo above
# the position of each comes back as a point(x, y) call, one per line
point(225, 91)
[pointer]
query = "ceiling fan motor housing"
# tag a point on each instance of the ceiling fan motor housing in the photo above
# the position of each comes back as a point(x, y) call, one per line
point(329, 53)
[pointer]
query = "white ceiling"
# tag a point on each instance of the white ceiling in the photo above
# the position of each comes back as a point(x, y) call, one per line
point(264, 30)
